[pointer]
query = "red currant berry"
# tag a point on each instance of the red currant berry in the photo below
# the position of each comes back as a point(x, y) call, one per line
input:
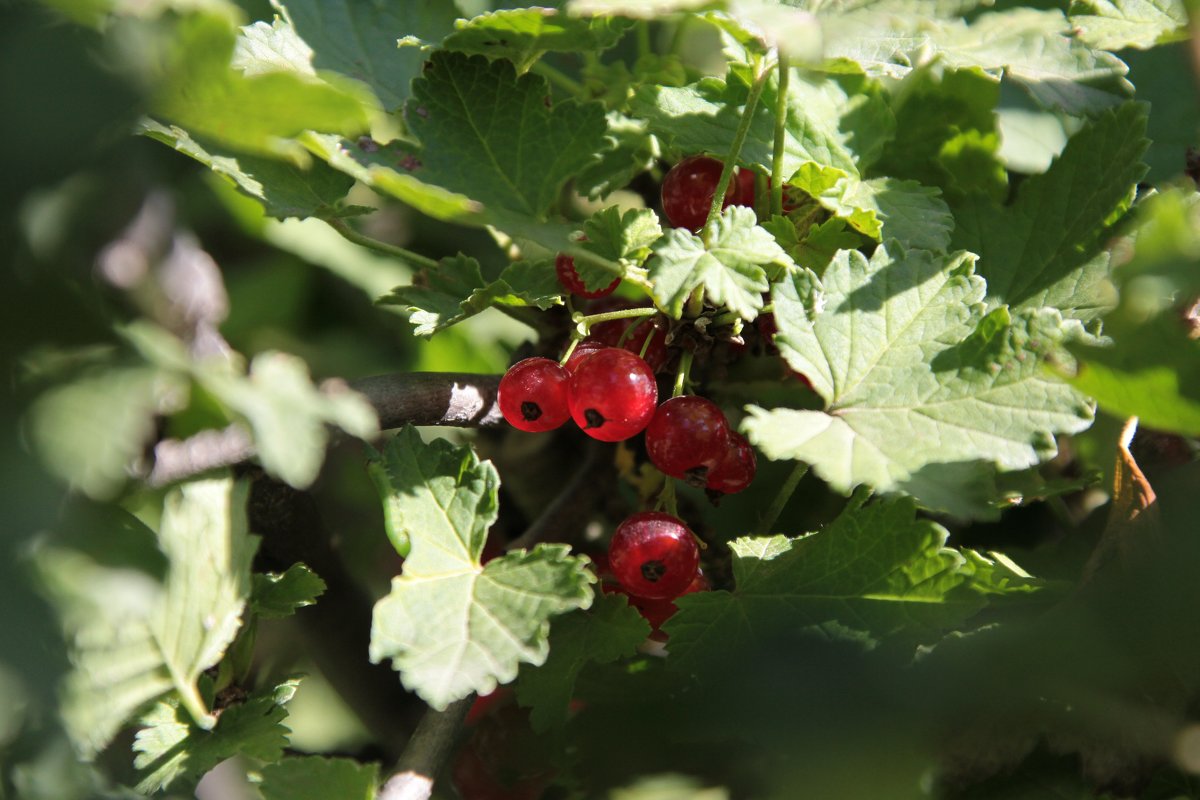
point(612, 395)
point(687, 437)
point(656, 612)
point(687, 191)
point(654, 555)
point(612, 332)
point(737, 467)
point(585, 348)
point(744, 193)
point(767, 329)
point(533, 395)
point(564, 267)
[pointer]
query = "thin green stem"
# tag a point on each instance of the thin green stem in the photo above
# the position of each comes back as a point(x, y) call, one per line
point(643, 38)
point(570, 349)
point(781, 107)
point(416, 259)
point(781, 499)
point(681, 374)
point(624, 313)
point(666, 500)
point(730, 317)
point(557, 76)
point(646, 342)
point(739, 139)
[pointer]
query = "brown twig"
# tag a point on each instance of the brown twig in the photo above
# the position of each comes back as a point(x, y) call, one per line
point(422, 398)
point(425, 753)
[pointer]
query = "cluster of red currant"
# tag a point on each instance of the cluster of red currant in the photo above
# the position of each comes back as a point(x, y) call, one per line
point(606, 384)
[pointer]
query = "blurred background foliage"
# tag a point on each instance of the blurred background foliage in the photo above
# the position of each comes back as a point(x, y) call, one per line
point(1100, 693)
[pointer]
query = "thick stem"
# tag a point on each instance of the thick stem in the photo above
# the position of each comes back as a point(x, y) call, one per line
point(781, 107)
point(426, 753)
point(416, 259)
point(782, 498)
point(739, 139)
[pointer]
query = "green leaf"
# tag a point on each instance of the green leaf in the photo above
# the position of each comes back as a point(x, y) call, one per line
point(318, 778)
point(90, 430)
point(1149, 366)
point(467, 114)
point(877, 568)
point(1118, 24)
point(919, 383)
point(1046, 249)
point(609, 630)
point(882, 208)
point(1034, 49)
point(731, 268)
point(134, 638)
point(204, 94)
point(946, 134)
point(759, 25)
point(631, 150)
point(523, 35)
point(456, 290)
point(645, 9)
point(171, 747)
point(450, 625)
point(284, 189)
point(622, 238)
point(840, 121)
point(357, 39)
point(279, 595)
point(287, 414)
point(271, 47)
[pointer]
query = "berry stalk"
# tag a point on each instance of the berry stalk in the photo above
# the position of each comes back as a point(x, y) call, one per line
point(781, 106)
point(739, 138)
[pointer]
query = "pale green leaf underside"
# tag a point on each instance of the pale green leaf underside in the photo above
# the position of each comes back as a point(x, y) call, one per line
point(523, 35)
point(450, 625)
point(877, 568)
point(619, 237)
point(915, 377)
point(1118, 24)
point(1029, 47)
point(171, 747)
point(732, 268)
point(134, 639)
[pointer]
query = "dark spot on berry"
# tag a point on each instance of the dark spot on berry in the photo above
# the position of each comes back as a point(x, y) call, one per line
point(696, 476)
point(367, 144)
point(594, 418)
point(653, 570)
point(410, 162)
point(422, 112)
point(530, 410)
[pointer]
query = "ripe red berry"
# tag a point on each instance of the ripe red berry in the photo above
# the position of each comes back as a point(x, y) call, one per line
point(585, 348)
point(612, 332)
point(612, 395)
point(654, 555)
point(564, 267)
point(533, 395)
point(744, 193)
point(687, 191)
point(736, 469)
point(687, 437)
